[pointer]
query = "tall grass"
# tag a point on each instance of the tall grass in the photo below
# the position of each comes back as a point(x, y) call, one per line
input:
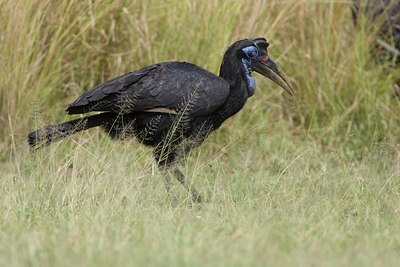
point(309, 180)
point(275, 201)
point(51, 52)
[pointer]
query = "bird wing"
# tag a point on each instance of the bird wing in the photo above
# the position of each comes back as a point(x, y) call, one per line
point(170, 87)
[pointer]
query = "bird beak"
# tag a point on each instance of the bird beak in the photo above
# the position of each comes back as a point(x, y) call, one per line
point(265, 66)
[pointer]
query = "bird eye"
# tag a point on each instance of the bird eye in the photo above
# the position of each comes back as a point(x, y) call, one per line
point(253, 54)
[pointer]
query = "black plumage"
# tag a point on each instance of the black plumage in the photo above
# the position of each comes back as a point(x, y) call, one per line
point(170, 106)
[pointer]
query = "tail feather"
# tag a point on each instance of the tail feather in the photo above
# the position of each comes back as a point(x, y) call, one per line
point(56, 132)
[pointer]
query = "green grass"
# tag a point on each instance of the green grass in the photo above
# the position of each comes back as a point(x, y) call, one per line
point(309, 181)
point(289, 202)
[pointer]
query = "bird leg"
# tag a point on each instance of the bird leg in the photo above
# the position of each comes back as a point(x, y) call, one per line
point(181, 178)
point(168, 186)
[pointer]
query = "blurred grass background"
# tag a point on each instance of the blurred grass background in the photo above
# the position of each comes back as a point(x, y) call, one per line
point(312, 180)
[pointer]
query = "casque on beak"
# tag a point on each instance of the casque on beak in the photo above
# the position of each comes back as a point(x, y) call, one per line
point(264, 65)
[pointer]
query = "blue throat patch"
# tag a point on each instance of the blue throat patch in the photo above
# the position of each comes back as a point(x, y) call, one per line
point(251, 83)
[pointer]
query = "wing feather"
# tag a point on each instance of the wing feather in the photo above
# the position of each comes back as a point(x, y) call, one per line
point(177, 86)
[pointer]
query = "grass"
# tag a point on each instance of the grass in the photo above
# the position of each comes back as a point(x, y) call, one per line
point(97, 203)
point(303, 182)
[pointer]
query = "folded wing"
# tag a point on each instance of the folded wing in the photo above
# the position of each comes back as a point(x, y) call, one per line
point(174, 86)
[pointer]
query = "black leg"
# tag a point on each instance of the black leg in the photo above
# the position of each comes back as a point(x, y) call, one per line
point(168, 186)
point(181, 178)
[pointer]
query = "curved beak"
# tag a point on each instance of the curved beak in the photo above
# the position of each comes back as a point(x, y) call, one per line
point(265, 66)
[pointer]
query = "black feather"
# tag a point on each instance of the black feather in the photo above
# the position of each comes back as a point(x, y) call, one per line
point(52, 133)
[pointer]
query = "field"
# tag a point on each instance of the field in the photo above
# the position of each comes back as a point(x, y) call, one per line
point(312, 180)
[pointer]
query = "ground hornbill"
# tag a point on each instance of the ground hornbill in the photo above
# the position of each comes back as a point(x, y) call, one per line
point(170, 106)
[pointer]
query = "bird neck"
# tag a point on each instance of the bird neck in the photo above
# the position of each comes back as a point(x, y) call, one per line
point(233, 71)
point(236, 70)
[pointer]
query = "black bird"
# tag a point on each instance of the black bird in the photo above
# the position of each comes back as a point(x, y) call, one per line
point(170, 106)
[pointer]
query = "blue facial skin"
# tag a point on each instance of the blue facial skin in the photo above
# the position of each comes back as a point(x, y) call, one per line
point(251, 52)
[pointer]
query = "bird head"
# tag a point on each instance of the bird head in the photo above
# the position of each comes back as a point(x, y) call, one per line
point(254, 56)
